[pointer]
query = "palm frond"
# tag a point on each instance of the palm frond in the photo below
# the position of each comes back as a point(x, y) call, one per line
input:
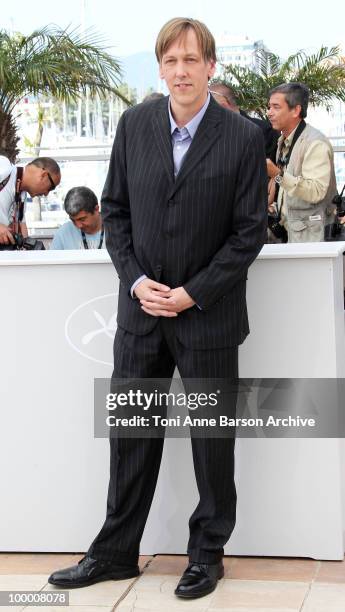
point(61, 63)
point(323, 72)
point(64, 63)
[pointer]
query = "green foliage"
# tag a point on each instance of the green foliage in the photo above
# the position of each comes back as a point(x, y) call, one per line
point(129, 93)
point(64, 64)
point(323, 72)
point(8, 136)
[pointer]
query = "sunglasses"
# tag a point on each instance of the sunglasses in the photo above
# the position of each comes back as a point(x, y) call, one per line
point(52, 184)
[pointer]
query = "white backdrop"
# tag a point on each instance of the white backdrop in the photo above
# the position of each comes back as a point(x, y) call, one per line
point(57, 326)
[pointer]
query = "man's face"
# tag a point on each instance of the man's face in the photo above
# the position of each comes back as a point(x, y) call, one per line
point(281, 116)
point(86, 221)
point(185, 72)
point(41, 181)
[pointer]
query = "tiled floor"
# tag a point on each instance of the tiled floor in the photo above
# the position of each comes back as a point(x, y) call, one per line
point(250, 585)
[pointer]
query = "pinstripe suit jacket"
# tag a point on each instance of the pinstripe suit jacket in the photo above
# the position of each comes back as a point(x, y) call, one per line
point(201, 230)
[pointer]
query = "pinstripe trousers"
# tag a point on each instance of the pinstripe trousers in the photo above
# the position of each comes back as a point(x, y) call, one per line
point(135, 462)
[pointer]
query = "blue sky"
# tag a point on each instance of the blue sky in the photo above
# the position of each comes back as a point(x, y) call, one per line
point(132, 25)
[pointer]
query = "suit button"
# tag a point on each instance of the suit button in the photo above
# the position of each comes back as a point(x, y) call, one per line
point(159, 268)
point(168, 234)
point(171, 202)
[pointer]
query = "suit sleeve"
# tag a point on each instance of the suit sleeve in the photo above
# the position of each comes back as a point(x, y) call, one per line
point(116, 212)
point(249, 229)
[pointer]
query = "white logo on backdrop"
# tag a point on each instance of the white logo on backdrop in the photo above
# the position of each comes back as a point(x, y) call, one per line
point(90, 328)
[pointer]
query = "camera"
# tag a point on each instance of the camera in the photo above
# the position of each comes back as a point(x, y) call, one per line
point(336, 231)
point(277, 230)
point(23, 244)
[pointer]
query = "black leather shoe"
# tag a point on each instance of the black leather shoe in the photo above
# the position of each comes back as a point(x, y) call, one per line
point(199, 579)
point(89, 571)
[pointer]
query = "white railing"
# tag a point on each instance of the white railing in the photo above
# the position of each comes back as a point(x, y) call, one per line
point(104, 151)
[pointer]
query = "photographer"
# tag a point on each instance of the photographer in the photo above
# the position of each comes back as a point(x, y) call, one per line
point(304, 170)
point(85, 228)
point(39, 177)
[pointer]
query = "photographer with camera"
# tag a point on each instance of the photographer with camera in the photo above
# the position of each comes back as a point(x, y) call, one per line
point(304, 172)
point(39, 177)
point(85, 229)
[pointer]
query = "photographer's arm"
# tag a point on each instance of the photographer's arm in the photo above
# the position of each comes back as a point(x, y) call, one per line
point(311, 186)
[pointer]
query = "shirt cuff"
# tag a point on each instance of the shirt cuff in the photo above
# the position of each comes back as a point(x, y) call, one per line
point(289, 181)
point(135, 284)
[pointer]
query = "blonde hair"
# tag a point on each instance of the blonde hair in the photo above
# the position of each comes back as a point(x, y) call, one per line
point(179, 26)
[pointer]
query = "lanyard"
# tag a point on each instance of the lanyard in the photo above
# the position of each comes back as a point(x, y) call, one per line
point(86, 246)
point(284, 161)
point(18, 212)
point(4, 182)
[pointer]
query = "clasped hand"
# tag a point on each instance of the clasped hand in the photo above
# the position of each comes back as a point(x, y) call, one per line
point(160, 300)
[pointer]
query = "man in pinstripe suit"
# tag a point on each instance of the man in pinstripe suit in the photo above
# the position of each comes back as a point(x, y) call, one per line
point(184, 208)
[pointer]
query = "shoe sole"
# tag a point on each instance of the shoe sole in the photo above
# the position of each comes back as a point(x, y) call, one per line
point(201, 594)
point(118, 576)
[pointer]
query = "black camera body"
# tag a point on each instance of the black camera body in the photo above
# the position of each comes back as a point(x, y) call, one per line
point(277, 229)
point(336, 231)
point(23, 244)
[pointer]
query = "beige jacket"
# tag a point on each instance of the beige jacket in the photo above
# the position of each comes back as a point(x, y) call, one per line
point(308, 187)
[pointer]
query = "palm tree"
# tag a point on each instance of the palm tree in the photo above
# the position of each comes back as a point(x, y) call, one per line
point(51, 61)
point(323, 72)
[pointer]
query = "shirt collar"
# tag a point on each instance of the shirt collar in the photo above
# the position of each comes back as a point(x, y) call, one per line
point(288, 140)
point(193, 124)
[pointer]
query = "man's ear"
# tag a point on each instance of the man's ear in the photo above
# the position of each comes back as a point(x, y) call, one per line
point(212, 69)
point(161, 75)
point(297, 111)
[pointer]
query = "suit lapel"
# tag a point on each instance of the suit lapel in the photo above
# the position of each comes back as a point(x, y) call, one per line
point(162, 136)
point(207, 134)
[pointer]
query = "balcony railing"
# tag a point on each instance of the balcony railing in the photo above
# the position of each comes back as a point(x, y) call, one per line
point(87, 164)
